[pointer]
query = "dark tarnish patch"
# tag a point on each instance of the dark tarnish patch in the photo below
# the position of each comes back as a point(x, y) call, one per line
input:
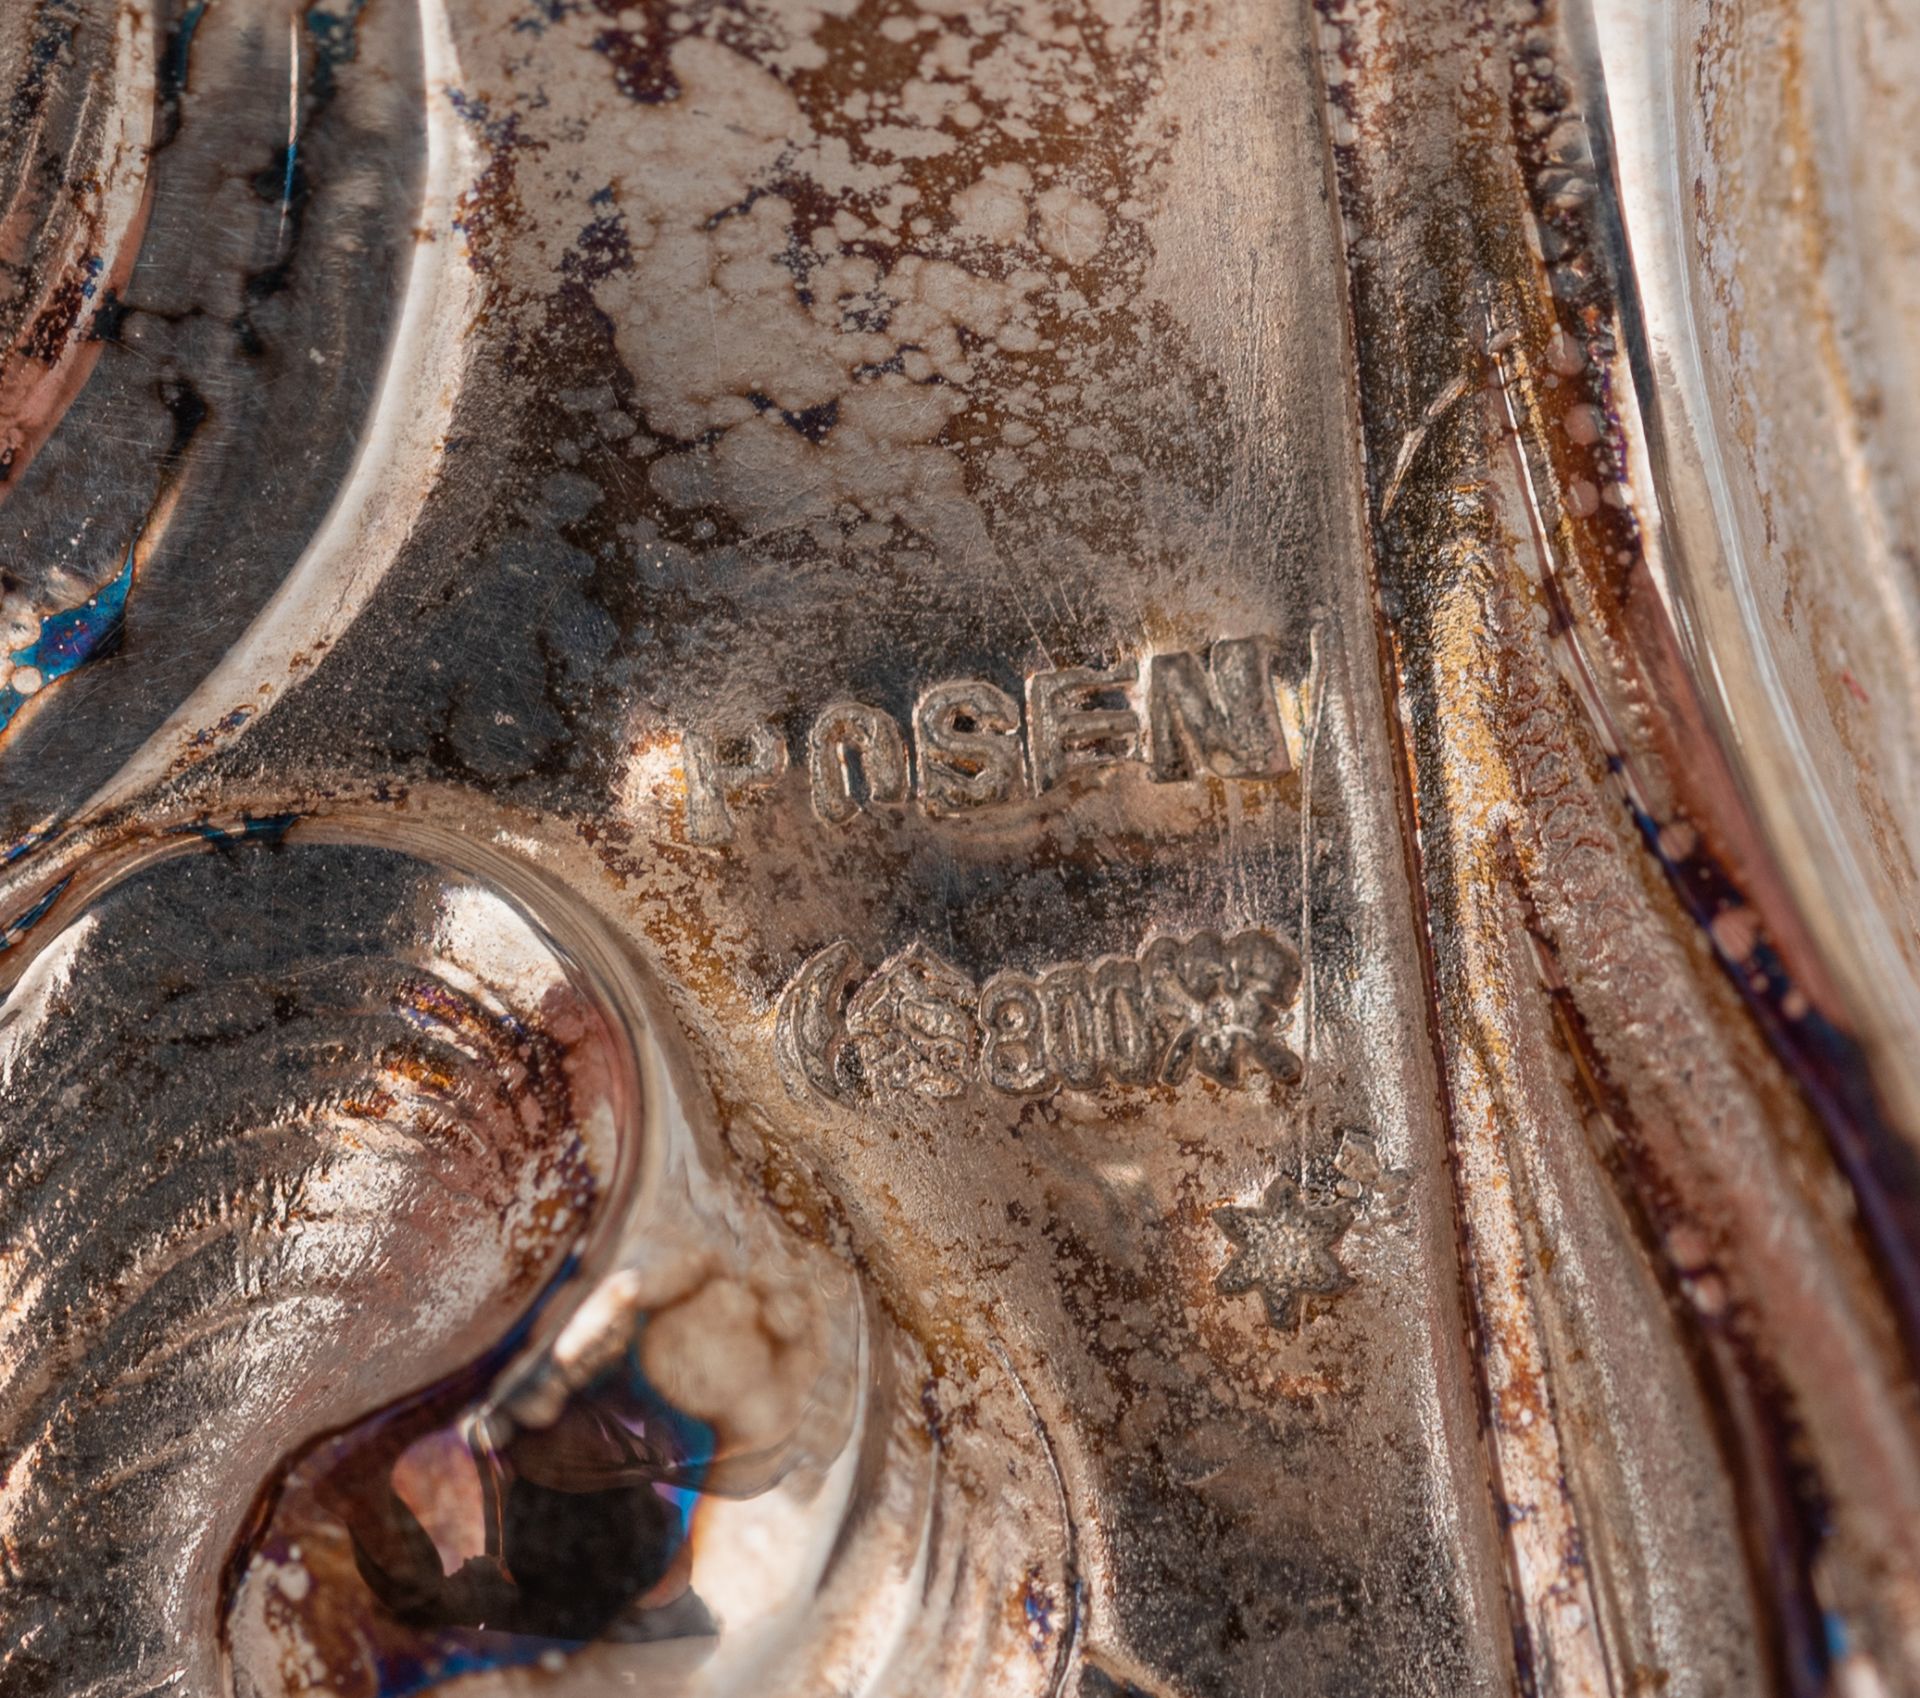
point(176, 61)
point(604, 247)
point(811, 422)
point(491, 204)
point(188, 409)
point(568, 342)
point(109, 318)
point(638, 53)
point(59, 23)
point(334, 33)
point(53, 329)
point(284, 180)
point(1826, 1062)
point(1096, 1683)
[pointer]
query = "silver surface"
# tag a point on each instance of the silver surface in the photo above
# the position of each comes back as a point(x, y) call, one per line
point(974, 849)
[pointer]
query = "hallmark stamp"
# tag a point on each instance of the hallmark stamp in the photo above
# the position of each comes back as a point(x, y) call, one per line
point(918, 1026)
point(1284, 1247)
point(967, 732)
point(912, 1026)
point(847, 733)
point(970, 746)
point(721, 769)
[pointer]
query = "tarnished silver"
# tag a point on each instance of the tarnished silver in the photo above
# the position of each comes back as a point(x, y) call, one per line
point(985, 849)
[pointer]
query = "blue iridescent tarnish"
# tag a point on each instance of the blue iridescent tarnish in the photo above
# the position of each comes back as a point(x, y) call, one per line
point(268, 828)
point(70, 638)
point(11, 931)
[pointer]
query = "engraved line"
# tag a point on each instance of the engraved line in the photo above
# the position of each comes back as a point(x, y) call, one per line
point(1076, 1616)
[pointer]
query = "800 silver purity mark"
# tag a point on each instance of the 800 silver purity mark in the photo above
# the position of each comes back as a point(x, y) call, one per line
point(959, 849)
point(918, 1025)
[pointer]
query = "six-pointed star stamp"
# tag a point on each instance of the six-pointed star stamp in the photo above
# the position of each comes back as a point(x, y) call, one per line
point(1283, 1248)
